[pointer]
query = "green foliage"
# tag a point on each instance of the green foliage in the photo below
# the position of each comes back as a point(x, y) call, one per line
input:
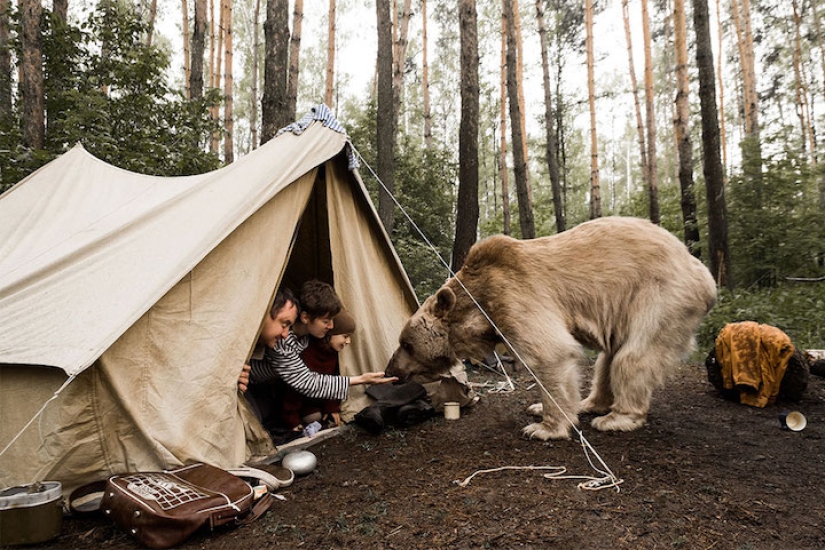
point(107, 90)
point(424, 182)
point(798, 309)
point(775, 224)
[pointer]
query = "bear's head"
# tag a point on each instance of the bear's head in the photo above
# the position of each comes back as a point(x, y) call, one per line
point(425, 346)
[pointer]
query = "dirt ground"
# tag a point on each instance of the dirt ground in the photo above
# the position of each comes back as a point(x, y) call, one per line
point(703, 473)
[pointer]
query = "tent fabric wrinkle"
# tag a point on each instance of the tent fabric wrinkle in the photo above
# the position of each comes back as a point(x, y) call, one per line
point(148, 293)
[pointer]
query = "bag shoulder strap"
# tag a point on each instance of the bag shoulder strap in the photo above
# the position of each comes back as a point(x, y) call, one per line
point(258, 509)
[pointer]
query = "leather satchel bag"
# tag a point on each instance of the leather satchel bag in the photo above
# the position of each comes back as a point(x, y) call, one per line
point(161, 509)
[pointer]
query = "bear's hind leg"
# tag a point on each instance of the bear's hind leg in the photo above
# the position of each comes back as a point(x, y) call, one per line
point(601, 395)
point(633, 376)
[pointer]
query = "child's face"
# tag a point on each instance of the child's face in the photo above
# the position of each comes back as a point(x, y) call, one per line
point(317, 327)
point(339, 341)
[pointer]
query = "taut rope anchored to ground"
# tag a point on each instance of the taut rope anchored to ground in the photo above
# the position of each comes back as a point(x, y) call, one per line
point(608, 478)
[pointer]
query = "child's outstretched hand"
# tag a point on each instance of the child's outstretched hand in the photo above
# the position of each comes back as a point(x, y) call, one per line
point(372, 378)
point(243, 378)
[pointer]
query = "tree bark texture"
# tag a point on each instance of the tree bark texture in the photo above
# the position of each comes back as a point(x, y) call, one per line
point(425, 78)
point(520, 172)
point(253, 122)
point(505, 185)
point(400, 59)
point(683, 142)
point(718, 248)
point(595, 192)
point(187, 62)
point(31, 75)
point(330, 54)
point(153, 12)
point(274, 108)
point(640, 126)
point(228, 120)
point(5, 63)
point(466, 224)
point(721, 85)
point(385, 119)
point(197, 50)
point(294, 61)
point(550, 148)
point(650, 113)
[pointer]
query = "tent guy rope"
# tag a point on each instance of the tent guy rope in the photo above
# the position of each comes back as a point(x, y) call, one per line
point(608, 478)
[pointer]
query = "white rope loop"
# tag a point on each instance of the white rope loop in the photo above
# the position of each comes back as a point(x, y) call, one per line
point(600, 483)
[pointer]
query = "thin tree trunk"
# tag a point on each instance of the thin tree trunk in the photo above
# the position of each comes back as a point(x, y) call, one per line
point(5, 64)
point(60, 8)
point(640, 127)
point(153, 12)
point(821, 45)
point(650, 112)
point(274, 110)
point(550, 123)
point(712, 163)
point(31, 75)
point(751, 145)
point(520, 84)
point(198, 46)
point(425, 78)
point(721, 86)
point(294, 61)
point(683, 141)
point(400, 58)
point(216, 75)
point(253, 122)
point(330, 54)
point(595, 192)
point(505, 189)
point(187, 65)
point(466, 225)
point(385, 121)
point(212, 40)
point(804, 109)
point(228, 120)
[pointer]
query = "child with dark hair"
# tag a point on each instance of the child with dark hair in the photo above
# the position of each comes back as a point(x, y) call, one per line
point(321, 355)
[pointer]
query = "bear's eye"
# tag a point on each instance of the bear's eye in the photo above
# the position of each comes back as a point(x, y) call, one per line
point(407, 347)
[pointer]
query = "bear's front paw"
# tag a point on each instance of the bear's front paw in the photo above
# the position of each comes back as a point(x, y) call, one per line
point(536, 409)
point(615, 422)
point(540, 430)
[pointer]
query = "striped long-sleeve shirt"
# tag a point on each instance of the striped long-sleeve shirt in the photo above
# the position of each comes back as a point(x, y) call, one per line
point(284, 362)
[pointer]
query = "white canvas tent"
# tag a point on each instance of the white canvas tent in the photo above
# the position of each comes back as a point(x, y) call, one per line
point(147, 295)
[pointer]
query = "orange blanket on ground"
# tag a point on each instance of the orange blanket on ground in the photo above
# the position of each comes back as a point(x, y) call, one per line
point(753, 359)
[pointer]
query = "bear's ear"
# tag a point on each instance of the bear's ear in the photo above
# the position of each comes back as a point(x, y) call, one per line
point(445, 301)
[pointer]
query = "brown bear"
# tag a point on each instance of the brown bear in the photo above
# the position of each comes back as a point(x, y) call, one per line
point(622, 286)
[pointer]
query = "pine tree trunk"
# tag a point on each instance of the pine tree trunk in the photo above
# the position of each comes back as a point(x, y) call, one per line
point(650, 112)
point(187, 65)
point(216, 73)
point(212, 40)
point(385, 120)
point(400, 58)
point(595, 192)
point(721, 85)
point(718, 248)
point(505, 186)
point(274, 110)
point(522, 176)
point(228, 120)
point(32, 111)
point(253, 119)
point(153, 12)
point(330, 54)
point(516, 11)
point(550, 123)
point(425, 78)
point(683, 141)
point(466, 223)
point(60, 8)
point(804, 109)
point(821, 45)
point(640, 127)
point(5, 64)
point(198, 46)
point(294, 61)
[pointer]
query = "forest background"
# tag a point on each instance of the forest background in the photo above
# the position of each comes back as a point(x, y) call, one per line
point(703, 118)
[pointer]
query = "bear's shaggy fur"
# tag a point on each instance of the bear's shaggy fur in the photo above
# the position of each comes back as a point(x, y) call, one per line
point(622, 286)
